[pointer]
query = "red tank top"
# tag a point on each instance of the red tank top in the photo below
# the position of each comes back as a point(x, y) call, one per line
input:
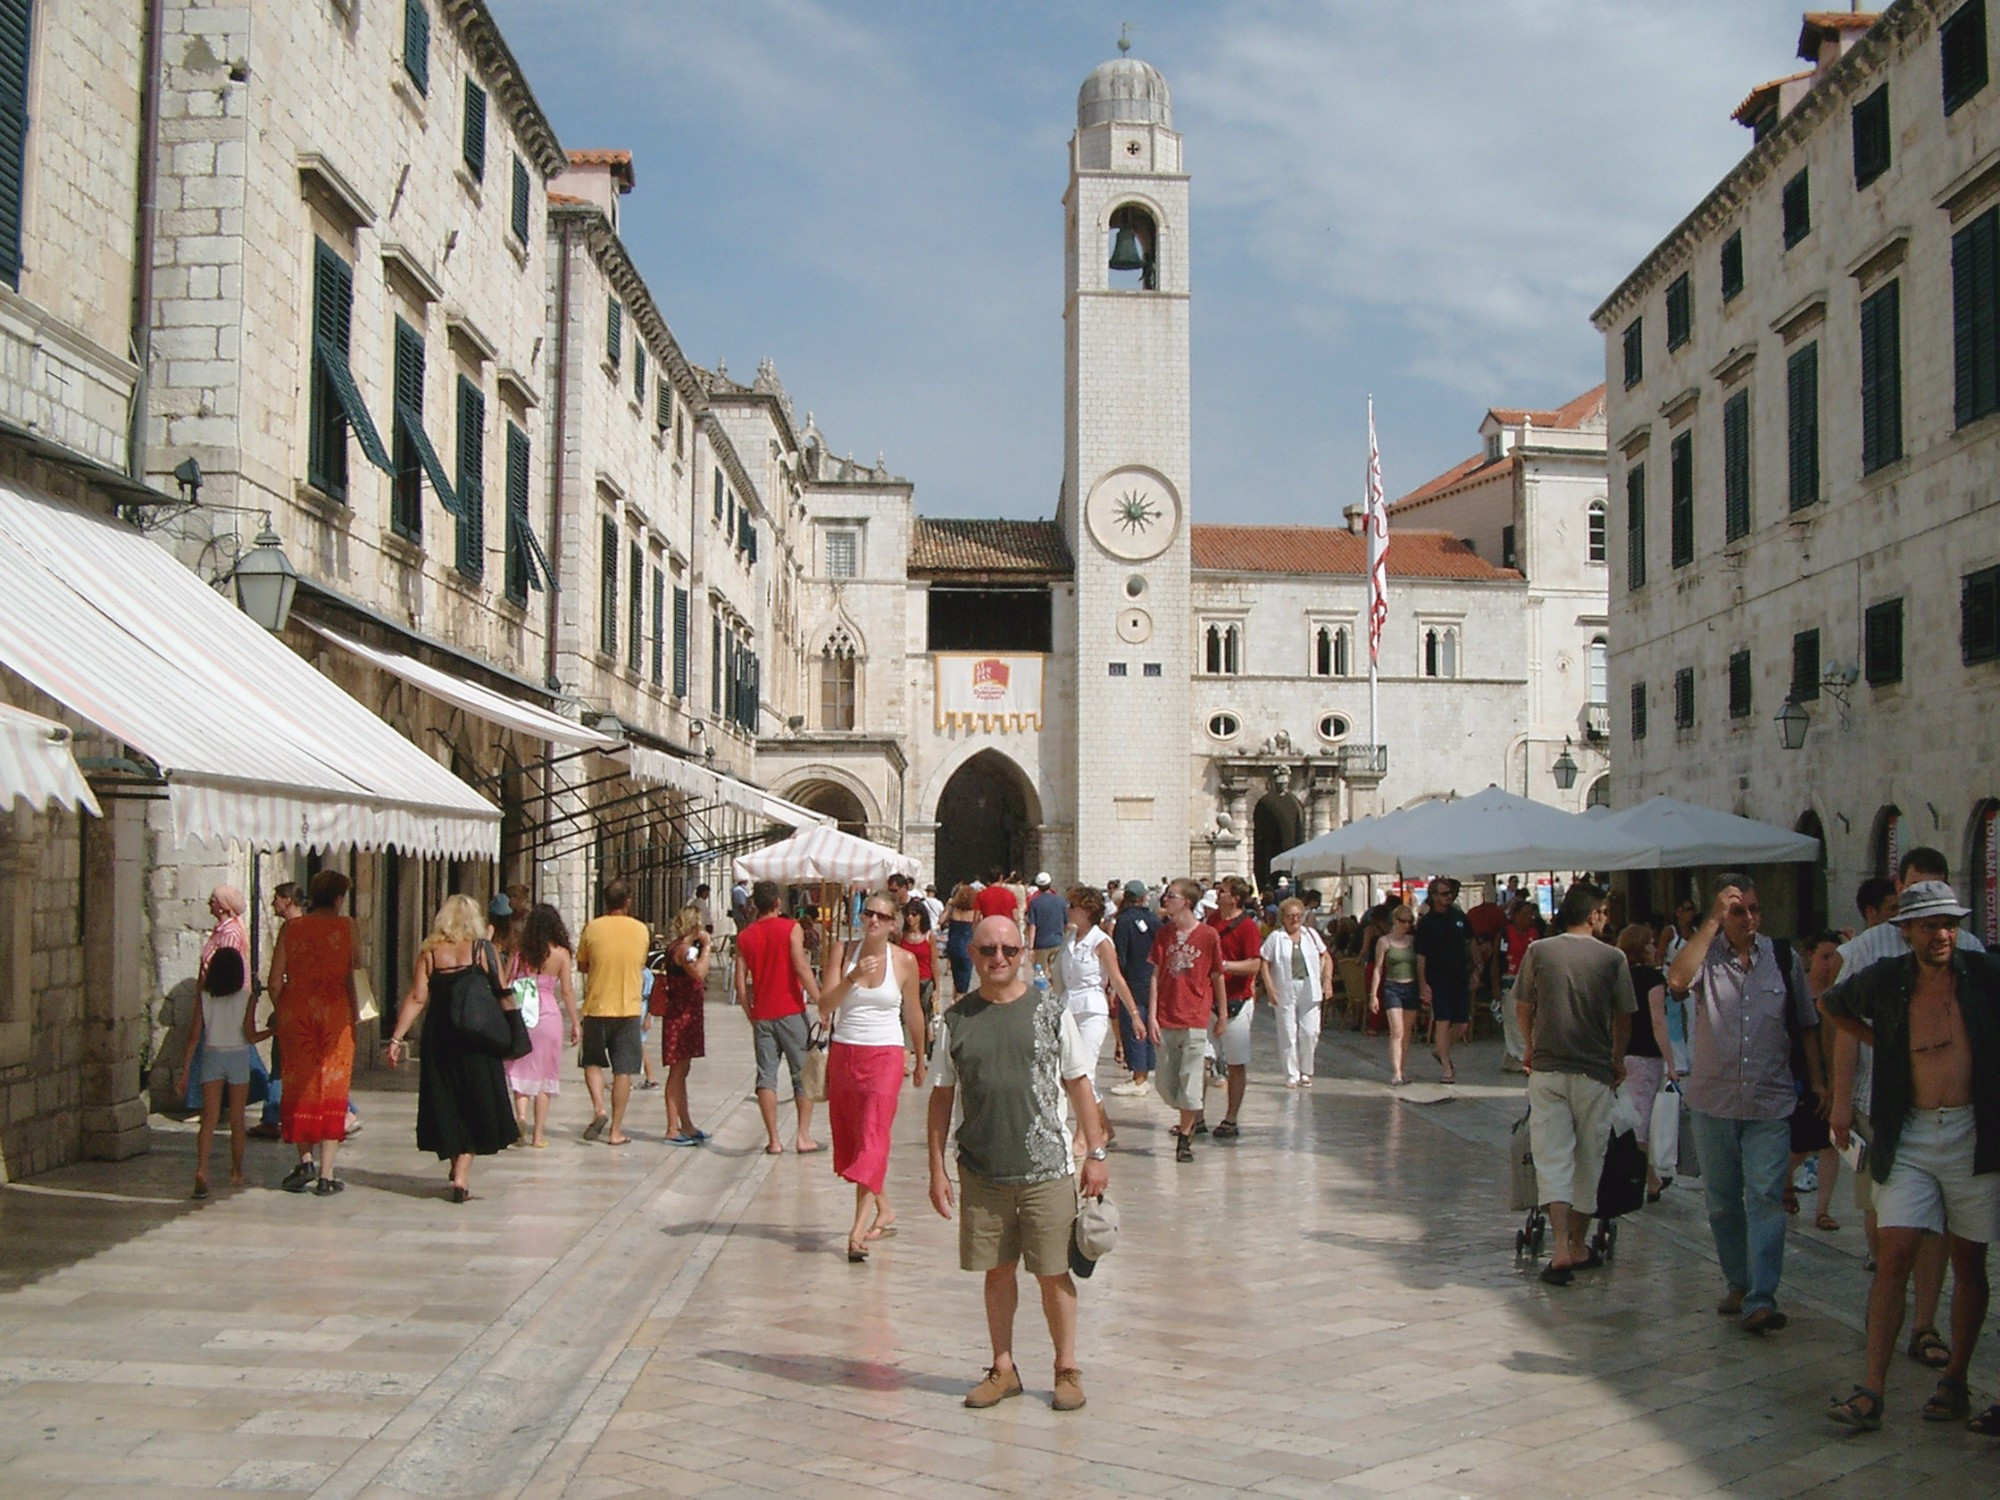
point(765, 947)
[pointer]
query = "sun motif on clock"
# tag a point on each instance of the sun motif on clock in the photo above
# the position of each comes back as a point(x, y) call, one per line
point(1133, 513)
point(1136, 511)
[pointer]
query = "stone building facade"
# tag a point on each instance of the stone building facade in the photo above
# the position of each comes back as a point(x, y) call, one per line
point(1802, 398)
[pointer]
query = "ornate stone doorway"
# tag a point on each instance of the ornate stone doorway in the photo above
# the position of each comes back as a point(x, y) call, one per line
point(1277, 823)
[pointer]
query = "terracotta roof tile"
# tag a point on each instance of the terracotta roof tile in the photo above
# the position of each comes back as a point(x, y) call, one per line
point(619, 161)
point(1479, 466)
point(1571, 415)
point(1753, 103)
point(569, 198)
point(1336, 550)
point(943, 546)
point(1818, 21)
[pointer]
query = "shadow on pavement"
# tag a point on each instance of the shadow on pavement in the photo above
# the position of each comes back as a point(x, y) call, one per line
point(815, 1369)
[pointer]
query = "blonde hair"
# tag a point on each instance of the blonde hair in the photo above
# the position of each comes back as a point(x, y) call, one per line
point(458, 920)
point(1403, 914)
point(1289, 905)
point(687, 922)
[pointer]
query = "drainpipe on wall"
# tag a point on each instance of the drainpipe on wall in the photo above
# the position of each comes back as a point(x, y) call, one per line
point(151, 70)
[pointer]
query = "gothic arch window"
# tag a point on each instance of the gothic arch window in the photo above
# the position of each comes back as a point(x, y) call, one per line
point(1332, 651)
point(1440, 651)
point(1597, 531)
point(1599, 794)
point(837, 679)
point(1132, 248)
point(1222, 650)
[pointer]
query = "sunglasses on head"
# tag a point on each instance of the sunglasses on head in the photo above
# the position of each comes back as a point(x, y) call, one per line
point(1004, 950)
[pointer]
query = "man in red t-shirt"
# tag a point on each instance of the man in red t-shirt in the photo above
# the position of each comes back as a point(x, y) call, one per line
point(1187, 1002)
point(994, 899)
point(773, 979)
point(1242, 944)
point(1524, 925)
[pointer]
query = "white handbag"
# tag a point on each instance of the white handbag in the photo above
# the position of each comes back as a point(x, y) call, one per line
point(1664, 1148)
point(528, 1001)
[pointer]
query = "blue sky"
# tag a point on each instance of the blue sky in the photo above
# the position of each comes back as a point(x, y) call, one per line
point(1423, 200)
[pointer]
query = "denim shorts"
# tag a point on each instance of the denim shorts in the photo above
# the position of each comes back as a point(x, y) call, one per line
point(222, 1065)
point(1398, 996)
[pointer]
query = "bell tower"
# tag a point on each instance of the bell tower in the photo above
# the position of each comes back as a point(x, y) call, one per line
point(1126, 473)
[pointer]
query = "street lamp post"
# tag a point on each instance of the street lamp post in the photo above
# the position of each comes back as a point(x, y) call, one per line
point(1564, 770)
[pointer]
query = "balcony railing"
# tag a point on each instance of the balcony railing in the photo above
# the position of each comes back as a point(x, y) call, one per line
point(1597, 720)
point(1364, 760)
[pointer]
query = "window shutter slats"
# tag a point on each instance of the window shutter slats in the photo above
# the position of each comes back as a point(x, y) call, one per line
point(333, 313)
point(410, 409)
point(1802, 427)
point(614, 332)
point(1975, 289)
point(471, 479)
point(520, 203)
point(1681, 498)
point(417, 44)
point(475, 130)
point(1635, 527)
point(1736, 466)
point(1881, 379)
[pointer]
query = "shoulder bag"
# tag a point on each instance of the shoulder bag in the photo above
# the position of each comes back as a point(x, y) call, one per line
point(475, 1011)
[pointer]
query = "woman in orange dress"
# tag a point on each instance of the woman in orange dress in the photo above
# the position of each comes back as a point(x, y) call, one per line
point(312, 990)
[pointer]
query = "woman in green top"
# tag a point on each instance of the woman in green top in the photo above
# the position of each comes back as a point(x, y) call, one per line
point(1394, 986)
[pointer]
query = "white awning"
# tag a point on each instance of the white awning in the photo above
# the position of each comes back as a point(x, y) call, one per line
point(684, 776)
point(36, 764)
point(254, 744)
point(480, 702)
point(826, 854)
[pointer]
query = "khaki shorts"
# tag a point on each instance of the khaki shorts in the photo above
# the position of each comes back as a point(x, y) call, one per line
point(1178, 1076)
point(1000, 1223)
point(1569, 1128)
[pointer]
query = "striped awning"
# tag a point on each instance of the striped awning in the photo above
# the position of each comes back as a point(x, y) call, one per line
point(252, 743)
point(37, 766)
point(657, 768)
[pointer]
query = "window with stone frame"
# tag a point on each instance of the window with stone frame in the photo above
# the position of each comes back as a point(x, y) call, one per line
point(1638, 710)
point(838, 681)
point(1739, 685)
point(1597, 670)
point(843, 553)
point(1684, 698)
point(1332, 649)
point(1595, 541)
point(1962, 53)
point(1440, 645)
point(1222, 648)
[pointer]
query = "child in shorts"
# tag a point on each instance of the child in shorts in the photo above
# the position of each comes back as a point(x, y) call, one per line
point(218, 1058)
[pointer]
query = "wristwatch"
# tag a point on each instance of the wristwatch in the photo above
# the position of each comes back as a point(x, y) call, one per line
point(1097, 1153)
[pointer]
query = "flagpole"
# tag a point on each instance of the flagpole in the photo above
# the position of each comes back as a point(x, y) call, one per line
point(1374, 631)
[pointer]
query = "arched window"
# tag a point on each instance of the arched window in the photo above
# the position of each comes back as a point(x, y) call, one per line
point(1440, 651)
point(1598, 671)
point(1222, 650)
point(1597, 531)
point(1341, 666)
point(837, 681)
point(1232, 650)
point(1323, 652)
point(1599, 794)
point(1212, 655)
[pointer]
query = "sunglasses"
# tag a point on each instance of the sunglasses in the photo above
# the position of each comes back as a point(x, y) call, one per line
point(1003, 950)
point(880, 916)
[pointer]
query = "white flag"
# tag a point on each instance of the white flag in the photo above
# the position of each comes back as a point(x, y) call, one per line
point(1378, 545)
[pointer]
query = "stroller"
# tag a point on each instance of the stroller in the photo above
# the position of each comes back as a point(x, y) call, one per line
point(1621, 1188)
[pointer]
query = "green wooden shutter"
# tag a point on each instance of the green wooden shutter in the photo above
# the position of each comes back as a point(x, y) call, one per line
point(520, 201)
point(680, 643)
point(1736, 466)
point(520, 564)
point(663, 406)
point(607, 587)
point(614, 331)
point(1739, 685)
point(1882, 642)
point(410, 412)
point(635, 602)
point(1635, 527)
point(471, 479)
point(1680, 479)
point(714, 663)
point(1881, 379)
point(17, 27)
point(1638, 710)
point(659, 655)
point(1805, 666)
point(1975, 291)
point(417, 44)
point(333, 317)
point(475, 130)
point(1802, 427)
point(1979, 616)
point(639, 372)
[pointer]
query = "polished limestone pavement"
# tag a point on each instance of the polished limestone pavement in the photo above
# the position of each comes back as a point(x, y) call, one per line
point(1329, 1306)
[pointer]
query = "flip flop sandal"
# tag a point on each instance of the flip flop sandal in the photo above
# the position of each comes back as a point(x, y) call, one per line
point(1948, 1403)
point(1826, 1222)
point(1987, 1423)
point(1926, 1348)
point(1852, 1413)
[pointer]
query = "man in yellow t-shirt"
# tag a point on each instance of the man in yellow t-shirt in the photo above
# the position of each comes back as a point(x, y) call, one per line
point(612, 955)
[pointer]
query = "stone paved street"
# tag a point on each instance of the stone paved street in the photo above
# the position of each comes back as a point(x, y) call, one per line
point(1329, 1307)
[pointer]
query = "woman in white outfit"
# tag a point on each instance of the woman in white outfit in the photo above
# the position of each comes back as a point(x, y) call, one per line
point(1090, 977)
point(1298, 975)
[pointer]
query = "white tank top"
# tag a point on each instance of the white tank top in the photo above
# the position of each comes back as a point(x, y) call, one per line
point(872, 1016)
point(1083, 974)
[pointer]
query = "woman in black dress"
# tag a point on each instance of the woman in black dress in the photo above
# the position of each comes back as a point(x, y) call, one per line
point(463, 1107)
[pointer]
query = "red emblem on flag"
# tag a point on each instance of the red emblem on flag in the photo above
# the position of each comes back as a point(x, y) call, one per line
point(989, 679)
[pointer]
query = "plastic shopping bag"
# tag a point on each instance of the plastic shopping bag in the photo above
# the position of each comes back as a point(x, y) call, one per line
point(1665, 1145)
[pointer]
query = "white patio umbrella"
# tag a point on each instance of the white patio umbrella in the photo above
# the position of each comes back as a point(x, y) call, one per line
point(825, 853)
point(1495, 830)
point(1686, 833)
point(1366, 846)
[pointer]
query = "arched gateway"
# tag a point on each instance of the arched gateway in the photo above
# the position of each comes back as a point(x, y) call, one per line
point(986, 817)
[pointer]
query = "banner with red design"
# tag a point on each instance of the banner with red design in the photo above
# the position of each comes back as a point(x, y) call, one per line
point(988, 691)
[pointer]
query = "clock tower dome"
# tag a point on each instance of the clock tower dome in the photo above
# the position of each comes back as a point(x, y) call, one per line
point(1125, 479)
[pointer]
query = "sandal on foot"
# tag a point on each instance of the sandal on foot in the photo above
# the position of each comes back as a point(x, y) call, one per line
point(1987, 1423)
point(1927, 1348)
point(1948, 1403)
point(1862, 1411)
point(1556, 1275)
point(1827, 1222)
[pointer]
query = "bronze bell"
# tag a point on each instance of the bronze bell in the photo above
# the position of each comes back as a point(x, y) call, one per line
point(1125, 254)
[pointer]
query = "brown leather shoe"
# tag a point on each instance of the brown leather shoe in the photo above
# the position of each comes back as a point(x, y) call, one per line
point(1764, 1320)
point(1069, 1390)
point(996, 1387)
point(1730, 1306)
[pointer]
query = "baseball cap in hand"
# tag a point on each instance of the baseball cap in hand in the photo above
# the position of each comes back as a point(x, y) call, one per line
point(1095, 1235)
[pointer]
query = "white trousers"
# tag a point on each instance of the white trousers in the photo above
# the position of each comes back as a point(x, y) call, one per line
point(1298, 1007)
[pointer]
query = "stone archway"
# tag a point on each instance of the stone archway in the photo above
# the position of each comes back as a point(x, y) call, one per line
point(1809, 880)
point(836, 801)
point(1277, 823)
point(986, 818)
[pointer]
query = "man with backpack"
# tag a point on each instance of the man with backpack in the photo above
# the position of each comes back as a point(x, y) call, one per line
point(1740, 1094)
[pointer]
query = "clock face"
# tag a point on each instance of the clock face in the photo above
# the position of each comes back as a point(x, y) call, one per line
point(1135, 627)
point(1133, 514)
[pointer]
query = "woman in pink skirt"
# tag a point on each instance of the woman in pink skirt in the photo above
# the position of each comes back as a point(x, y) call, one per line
point(878, 1028)
point(544, 955)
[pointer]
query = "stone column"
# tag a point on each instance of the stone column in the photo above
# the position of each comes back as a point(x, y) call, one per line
point(114, 982)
